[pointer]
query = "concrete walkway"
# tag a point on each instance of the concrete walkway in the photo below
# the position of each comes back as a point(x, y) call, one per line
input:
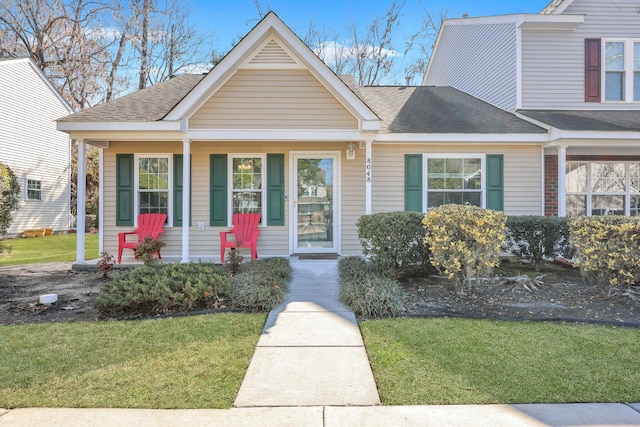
point(311, 351)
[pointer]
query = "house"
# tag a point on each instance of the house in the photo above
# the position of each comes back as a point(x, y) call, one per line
point(573, 69)
point(272, 130)
point(38, 154)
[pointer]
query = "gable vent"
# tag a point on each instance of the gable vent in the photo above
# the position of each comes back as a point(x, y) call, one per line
point(273, 54)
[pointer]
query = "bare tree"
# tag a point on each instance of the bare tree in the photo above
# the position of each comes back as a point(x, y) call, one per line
point(422, 42)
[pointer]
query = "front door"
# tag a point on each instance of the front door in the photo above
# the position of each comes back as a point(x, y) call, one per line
point(315, 191)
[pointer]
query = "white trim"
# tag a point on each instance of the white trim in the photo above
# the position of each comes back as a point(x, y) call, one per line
point(542, 186)
point(100, 200)
point(368, 176)
point(463, 137)
point(186, 198)
point(562, 172)
point(81, 210)
point(136, 184)
point(562, 7)
point(529, 21)
point(425, 171)
point(273, 135)
point(293, 200)
point(160, 125)
point(263, 189)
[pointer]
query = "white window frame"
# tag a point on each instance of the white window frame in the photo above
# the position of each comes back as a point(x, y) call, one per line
point(589, 193)
point(136, 184)
point(263, 190)
point(26, 189)
point(425, 176)
point(628, 70)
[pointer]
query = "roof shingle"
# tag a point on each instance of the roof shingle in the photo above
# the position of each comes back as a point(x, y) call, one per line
point(598, 120)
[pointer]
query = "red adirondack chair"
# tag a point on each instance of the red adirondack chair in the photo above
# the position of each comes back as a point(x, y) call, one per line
point(149, 225)
point(245, 231)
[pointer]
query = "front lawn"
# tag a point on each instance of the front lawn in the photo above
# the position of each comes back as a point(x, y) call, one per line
point(59, 247)
point(457, 361)
point(188, 362)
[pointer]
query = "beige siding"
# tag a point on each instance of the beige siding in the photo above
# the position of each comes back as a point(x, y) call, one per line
point(274, 240)
point(33, 148)
point(553, 61)
point(273, 99)
point(522, 174)
point(479, 60)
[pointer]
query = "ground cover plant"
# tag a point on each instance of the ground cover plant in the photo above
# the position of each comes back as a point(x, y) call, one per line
point(462, 361)
point(188, 362)
point(56, 248)
point(260, 285)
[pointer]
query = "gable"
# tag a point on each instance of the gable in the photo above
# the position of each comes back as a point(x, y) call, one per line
point(289, 98)
point(273, 53)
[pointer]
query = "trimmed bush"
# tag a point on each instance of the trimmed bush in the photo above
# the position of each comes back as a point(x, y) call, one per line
point(607, 249)
point(261, 285)
point(465, 241)
point(368, 293)
point(536, 237)
point(394, 240)
point(162, 288)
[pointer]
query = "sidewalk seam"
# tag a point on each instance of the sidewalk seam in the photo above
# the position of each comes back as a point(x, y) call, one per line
point(630, 406)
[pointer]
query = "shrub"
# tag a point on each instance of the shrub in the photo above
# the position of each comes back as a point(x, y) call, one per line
point(9, 199)
point(535, 237)
point(395, 240)
point(261, 285)
point(147, 249)
point(368, 293)
point(607, 249)
point(464, 241)
point(162, 288)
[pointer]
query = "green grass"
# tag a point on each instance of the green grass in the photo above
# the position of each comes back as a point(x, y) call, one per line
point(187, 362)
point(457, 361)
point(60, 247)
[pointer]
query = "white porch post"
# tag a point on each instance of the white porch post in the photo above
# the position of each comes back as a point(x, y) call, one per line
point(562, 172)
point(81, 191)
point(100, 200)
point(186, 197)
point(368, 176)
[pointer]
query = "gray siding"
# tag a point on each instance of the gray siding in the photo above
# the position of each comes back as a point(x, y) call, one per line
point(553, 61)
point(479, 60)
point(32, 147)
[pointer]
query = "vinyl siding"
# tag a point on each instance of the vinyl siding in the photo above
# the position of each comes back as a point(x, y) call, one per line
point(522, 174)
point(32, 147)
point(274, 240)
point(479, 60)
point(553, 61)
point(273, 99)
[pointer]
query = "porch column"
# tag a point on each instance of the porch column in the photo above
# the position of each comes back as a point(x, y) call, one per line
point(81, 191)
point(368, 177)
point(562, 172)
point(100, 200)
point(186, 197)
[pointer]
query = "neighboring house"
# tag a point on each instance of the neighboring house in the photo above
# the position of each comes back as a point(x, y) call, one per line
point(272, 130)
point(38, 154)
point(573, 69)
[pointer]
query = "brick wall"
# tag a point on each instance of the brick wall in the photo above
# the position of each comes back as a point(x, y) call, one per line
point(551, 185)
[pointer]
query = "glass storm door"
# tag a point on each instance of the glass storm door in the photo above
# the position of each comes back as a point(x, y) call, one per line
point(315, 190)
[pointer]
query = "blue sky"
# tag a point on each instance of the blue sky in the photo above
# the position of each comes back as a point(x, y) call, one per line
point(231, 19)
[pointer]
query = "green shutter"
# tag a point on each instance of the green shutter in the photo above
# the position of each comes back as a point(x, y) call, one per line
point(218, 190)
point(495, 182)
point(413, 182)
point(177, 190)
point(275, 189)
point(124, 189)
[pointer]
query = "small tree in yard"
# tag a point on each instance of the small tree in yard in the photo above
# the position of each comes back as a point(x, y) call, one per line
point(9, 192)
point(464, 241)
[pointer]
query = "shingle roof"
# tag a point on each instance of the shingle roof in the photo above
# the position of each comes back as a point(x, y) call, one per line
point(428, 109)
point(146, 105)
point(603, 120)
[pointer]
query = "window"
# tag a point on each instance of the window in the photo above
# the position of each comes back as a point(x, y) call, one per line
point(246, 184)
point(153, 184)
point(621, 70)
point(602, 188)
point(34, 189)
point(454, 179)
